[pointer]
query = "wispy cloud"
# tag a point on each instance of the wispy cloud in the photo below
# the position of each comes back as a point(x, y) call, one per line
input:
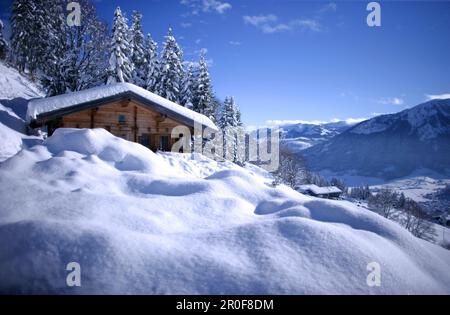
point(350, 94)
point(348, 121)
point(329, 7)
point(185, 24)
point(258, 20)
point(375, 114)
point(437, 97)
point(270, 24)
point(391, 101)
point(234, 43)
point(198, 6)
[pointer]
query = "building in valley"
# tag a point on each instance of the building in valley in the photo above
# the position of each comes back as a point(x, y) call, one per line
point(329, 192)
point(124, 109)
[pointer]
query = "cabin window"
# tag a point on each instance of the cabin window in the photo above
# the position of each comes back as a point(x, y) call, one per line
point(164, 143)
point(122, 119)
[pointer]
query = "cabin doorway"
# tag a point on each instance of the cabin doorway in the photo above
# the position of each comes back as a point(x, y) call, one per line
point(144, 140)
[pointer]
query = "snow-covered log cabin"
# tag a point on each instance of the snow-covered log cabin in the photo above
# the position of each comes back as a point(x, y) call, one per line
point(330, 192)
point(124, 109)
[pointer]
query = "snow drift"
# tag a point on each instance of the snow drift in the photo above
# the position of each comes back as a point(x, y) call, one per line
point(140, 222)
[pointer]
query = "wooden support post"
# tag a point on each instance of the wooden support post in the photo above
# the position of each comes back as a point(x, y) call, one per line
point(92, 118)
point(135, 125)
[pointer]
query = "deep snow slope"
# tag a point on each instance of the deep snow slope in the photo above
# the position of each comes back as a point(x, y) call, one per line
point(139, 222)
point(15, 90)
point(13, 84)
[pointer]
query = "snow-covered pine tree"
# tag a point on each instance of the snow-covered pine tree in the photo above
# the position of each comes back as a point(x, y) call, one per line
point(233, 134)
point(227, 117)
point(187, 92)
point(54, 66)
point(203, 94)
point(26, 23)
point(120, 64)
point(231, 112)
point(3, 43)
point(170, 70)
point(152, 66)
point(239, 117)
point(78, 55)
point(138, 58)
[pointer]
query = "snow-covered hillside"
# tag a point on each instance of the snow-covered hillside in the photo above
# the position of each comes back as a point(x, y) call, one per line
point(15, 90)
point(14, 85)
point(139, 222)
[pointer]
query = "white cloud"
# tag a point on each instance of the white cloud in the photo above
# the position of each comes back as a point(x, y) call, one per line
point(198, 6)
point(258, 20)
point(234, 43)
point(437, 97)
point(391, 101)
point(348, 121)
point(329, 7)
point(185, 24)
point(270, 24)
point(375, 114)
point(310, 24)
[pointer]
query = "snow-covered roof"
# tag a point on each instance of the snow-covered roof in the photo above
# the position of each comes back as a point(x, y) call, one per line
point(41, 106)
point(319, 190)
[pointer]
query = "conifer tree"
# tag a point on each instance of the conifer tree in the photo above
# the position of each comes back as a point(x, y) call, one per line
point(170, 70)
point(203, 95)
point(120, 64)
point(152, 66)
point(138, 57)
point(3, 43)
point(187, 92)
point(26, 23)
point(76, 56)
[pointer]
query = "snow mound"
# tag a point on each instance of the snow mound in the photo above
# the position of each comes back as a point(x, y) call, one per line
point(139, 222)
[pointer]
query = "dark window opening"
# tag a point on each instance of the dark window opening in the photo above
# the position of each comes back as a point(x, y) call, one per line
point(164, 143)
point(144, 139)
point(122, 119)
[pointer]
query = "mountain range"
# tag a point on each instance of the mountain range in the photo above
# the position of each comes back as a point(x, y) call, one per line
point(300, 136)
point(389, 146)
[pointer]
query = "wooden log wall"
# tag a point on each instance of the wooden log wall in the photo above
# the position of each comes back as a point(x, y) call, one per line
point(125, 119)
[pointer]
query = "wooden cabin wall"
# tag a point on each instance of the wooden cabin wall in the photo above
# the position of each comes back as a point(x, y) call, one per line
point(139, 122)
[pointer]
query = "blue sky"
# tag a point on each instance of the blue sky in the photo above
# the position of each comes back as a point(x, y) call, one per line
point(309, 60)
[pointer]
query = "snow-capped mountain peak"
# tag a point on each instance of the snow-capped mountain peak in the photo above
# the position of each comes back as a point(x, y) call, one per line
point(390, 146)
point(428, 120)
